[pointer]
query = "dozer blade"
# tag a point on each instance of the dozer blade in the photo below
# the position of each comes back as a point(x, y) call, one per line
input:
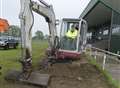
point(37, 79)
point(34, 79)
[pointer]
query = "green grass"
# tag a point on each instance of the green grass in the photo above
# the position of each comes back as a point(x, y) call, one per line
point(9, 59)
point(38, 51)
point(109, 78)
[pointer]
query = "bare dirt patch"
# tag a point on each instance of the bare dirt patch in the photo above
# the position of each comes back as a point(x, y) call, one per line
point(78, 74)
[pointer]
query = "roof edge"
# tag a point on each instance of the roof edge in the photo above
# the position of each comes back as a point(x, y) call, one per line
point(107, 5)
point(88, 8)
point(91, 5)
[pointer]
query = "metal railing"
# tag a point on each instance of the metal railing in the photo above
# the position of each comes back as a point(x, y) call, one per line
point(107, 60)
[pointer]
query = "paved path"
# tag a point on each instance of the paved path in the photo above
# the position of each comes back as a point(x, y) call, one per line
point(112, 65)
point(114, 70)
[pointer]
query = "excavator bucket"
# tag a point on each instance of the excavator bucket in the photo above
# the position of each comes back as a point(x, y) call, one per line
point(35, 78)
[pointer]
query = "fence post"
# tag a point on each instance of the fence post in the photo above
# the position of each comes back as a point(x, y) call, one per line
point(104, 61)
point(95, 55)
point(118, 52)
point(90, 51)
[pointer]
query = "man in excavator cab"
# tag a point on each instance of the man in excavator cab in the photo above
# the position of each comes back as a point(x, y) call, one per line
point(71, 37)
point(72, 33)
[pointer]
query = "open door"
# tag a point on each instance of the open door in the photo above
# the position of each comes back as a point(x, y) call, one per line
point(82, 36)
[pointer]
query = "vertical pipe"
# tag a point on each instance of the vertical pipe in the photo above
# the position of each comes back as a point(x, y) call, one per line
point(1, 12)
point(1, 8)
point(110, 31)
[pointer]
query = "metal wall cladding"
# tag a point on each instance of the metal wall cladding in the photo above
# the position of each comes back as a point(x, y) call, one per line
point(115, 37)
point(114, 4)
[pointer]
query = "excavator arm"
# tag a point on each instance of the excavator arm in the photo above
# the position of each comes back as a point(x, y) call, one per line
point(27, 20)
point(47, 12)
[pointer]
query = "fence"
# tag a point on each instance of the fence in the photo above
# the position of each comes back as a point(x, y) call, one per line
point(108, 61)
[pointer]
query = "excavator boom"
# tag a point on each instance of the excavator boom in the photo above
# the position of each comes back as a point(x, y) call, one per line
point(27, 20)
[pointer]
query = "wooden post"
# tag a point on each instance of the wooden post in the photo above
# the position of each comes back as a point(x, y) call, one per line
point(104, 61)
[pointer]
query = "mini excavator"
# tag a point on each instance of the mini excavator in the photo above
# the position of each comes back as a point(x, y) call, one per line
point(57, 50)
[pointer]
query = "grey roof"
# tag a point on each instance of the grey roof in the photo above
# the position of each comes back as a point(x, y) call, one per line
point(112, 4)
point(90, 6)
point(99, 12)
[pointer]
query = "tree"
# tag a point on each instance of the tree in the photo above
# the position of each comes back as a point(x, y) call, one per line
point(12, 31)
point(39, 35)
point(46, 36)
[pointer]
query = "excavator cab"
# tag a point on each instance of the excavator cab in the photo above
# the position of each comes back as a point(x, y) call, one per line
point(72, 47)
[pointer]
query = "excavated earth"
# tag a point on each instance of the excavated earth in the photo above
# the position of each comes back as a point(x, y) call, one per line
point(76, 74)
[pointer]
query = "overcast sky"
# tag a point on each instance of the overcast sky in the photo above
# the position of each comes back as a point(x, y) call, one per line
point(62, 8)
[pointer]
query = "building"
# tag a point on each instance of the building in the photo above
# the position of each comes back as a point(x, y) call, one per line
point(103, 17)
